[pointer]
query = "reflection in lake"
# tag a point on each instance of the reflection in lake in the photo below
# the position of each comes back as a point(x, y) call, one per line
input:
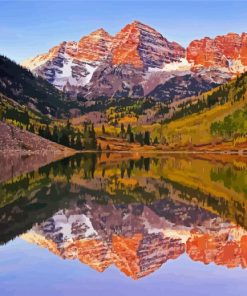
point(133, 212)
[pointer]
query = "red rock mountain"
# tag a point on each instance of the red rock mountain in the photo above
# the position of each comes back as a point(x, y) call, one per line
point(223, 51)
point(94, 47)
point(138, 61)
point(142, 46)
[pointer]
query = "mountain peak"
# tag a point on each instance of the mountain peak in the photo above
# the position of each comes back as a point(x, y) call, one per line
point(95, 46)
point(101, 33)
point(138, 23)
point(142, 47)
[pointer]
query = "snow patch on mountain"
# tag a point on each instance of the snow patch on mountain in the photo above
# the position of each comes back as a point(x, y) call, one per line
point(182, 65)
point(67, 226)
point(236, 66)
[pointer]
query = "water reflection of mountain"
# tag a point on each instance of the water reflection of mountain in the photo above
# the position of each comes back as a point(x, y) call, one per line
point(136, 213)
point(139, 239)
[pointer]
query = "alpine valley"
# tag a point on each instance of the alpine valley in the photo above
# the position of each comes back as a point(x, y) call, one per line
point(123, 159)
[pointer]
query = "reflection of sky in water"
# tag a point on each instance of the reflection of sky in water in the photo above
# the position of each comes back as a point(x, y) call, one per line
point(26, 269)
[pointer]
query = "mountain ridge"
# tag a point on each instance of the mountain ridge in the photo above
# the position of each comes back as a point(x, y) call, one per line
point(137, 60)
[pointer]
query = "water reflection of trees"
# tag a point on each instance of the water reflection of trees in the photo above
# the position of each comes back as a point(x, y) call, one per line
point(34, 196)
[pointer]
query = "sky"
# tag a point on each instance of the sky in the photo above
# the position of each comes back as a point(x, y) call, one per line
point(31, 27)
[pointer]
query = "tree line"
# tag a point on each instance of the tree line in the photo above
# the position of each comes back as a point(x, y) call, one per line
point(69, 136)
point(134, 137)
point(66, 135)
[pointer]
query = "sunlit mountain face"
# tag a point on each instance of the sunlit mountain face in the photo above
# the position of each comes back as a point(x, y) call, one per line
point(140, 62)
point(130, 211)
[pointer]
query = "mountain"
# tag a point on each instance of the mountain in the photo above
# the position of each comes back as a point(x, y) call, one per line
point(20, 85)
point(72, 64)
point(142, 47)
point(139, 62)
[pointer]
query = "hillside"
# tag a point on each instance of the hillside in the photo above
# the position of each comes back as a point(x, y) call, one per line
point(21, 85)
point(22, 151)
point(62, 132)
point(14, 140)
point(214, 120)
point(217, 117)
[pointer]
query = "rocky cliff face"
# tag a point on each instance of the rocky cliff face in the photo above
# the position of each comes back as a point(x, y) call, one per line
point(142, 47)
point(139, 62)
point(227, 51)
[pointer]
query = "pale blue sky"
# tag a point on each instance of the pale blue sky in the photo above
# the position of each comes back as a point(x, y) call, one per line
point(27, 269)
point(29, 27)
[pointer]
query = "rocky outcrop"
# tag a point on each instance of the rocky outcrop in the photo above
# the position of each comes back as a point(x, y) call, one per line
point(227, 51)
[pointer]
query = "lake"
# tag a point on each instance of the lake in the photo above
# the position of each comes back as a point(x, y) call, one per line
point(126, 224)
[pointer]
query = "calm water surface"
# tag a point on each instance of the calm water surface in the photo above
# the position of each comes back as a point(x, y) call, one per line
point(106, 224)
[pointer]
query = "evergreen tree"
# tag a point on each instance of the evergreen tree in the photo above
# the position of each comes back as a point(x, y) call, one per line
point(90, 141)
point(139, 138)
point(72, 142)
point(147, 138)
point(156, 141)
point(55, 135)
point(30, 128)
point(93, 138)
point(47, 133)
point(131, 138)
point(128, 129)
point(103, 129)
point(78, 143)
point(64, 139)
point(85, 128)
point(40, 132)
point(68, 125)
point(122, 128)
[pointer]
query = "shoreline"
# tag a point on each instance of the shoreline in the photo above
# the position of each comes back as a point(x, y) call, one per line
point(224, 152)
point(16, 163)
